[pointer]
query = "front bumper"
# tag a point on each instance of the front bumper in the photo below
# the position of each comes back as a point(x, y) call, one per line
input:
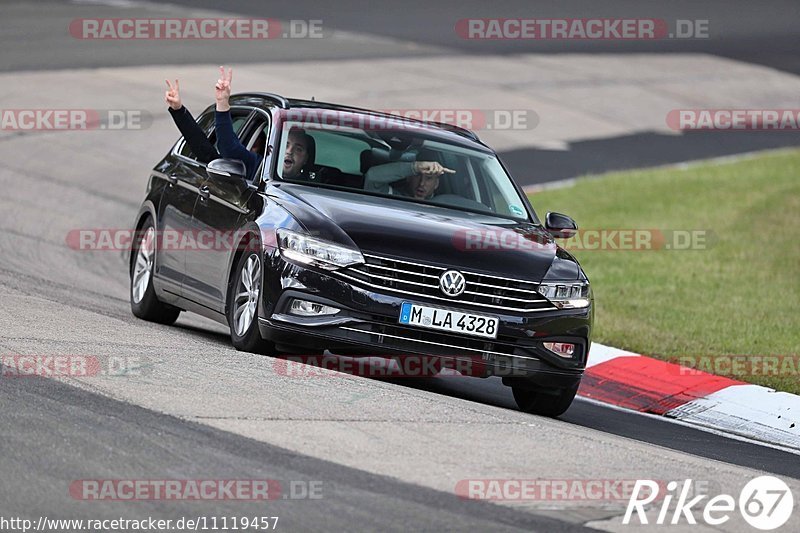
point(368, 325)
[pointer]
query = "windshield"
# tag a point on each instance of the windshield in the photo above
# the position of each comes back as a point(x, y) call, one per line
point(405, 163)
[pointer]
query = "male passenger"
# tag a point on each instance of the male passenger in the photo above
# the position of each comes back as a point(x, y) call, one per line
point(300, 146)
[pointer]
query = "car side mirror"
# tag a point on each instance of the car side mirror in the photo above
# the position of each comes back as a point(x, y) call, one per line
point(228, 169)
point(560, 226)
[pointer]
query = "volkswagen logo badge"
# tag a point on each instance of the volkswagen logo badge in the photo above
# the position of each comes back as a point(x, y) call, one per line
point(452, 283)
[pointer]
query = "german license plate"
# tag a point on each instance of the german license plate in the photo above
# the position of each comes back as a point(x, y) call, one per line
point(447, 320)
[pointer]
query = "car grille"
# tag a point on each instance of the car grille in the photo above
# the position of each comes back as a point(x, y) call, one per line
point(416, 279)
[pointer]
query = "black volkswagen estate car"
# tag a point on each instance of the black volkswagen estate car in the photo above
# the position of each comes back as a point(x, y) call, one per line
point(357, 256)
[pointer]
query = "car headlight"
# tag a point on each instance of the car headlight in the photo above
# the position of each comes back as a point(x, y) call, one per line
point(312, 251)
point(567, 295)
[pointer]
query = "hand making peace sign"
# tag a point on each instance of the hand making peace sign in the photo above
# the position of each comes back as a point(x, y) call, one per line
point(173, 95)
point(223, 89)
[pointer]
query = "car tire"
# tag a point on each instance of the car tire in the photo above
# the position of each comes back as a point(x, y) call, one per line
point(244, 292)
point(544, 403)
point(144, 302)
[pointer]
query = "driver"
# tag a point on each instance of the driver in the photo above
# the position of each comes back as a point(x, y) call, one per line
point(421, 178)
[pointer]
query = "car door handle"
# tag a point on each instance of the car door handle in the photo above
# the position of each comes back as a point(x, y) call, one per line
point(204, 192)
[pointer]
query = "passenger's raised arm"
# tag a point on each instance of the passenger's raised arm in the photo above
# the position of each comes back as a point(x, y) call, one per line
point(228, 144)
point(196, 138)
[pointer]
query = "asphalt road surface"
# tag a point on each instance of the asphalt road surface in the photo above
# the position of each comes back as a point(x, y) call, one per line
point(61, 432)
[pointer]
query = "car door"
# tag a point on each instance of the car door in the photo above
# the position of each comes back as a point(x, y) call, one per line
point(184, 177)
point(221, 204)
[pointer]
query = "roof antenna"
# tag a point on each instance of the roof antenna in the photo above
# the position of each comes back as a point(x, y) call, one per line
point(312, 99)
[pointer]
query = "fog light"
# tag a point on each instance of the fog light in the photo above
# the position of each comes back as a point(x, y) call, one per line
point(306, 308)
point(564, 349)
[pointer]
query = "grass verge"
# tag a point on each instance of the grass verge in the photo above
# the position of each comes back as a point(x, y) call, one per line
point(738, 295)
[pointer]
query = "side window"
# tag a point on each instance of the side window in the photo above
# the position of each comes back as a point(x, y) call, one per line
point(254, 136)
point(499, 200)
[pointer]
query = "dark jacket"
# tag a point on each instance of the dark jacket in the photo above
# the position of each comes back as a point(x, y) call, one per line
point(198, 142)
point(231, 147)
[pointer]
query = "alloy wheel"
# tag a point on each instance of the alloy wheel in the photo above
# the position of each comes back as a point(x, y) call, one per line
point(246, 298)
point(143, 268)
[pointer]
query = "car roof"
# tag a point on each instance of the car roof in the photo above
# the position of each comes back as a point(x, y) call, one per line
point(297, 103)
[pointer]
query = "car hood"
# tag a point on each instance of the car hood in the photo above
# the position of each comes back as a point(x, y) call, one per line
point(428, 234)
